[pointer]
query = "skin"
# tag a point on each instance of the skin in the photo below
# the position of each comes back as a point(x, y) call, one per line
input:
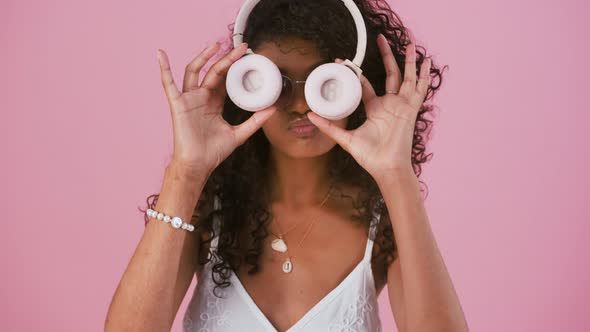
point(421, 293)
point(299, 183)
point(299, 166)
point(420, 289)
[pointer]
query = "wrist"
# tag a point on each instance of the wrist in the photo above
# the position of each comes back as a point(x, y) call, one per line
point(182, 171)
point(395, 174)
point(180, 192)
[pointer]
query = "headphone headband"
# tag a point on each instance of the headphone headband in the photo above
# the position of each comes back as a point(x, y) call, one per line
point(361, 30)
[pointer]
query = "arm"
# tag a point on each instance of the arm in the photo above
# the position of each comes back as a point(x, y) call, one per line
point(161, 268)
point(395, 291)
point(426, 299)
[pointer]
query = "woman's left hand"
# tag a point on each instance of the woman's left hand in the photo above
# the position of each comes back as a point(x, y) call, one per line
point(383, 143)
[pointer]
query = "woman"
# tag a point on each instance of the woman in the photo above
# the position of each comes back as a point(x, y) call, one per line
point(294, 214)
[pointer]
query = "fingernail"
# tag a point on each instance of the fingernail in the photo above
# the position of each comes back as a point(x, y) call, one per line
point(159, 55)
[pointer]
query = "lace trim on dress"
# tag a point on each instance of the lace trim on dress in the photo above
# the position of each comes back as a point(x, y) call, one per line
point(216, 314)
point(352, 320)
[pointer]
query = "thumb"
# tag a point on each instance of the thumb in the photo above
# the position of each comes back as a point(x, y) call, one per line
point(249, 127)
point(341, 136)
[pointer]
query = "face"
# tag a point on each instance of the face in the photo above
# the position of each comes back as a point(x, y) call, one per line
point(296, 58)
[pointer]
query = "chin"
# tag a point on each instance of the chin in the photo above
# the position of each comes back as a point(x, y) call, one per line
point(296, 153)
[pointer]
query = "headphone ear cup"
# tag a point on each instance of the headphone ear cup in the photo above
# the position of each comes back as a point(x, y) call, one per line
point(253, 82)
point(333, 91)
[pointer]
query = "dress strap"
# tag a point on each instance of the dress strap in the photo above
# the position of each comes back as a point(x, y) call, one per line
point(216, 221)
point(372, 234)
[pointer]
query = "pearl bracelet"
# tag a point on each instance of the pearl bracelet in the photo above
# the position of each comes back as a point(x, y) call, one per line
point(175, 222)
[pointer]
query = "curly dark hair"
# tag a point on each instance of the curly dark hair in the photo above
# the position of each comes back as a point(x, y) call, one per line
point(240, 181)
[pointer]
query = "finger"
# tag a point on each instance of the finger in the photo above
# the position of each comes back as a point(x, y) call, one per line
point(368, 91)
point(424, 80)
point(254, 122)
point(191, 73)
point(339, 135)
point(393, 78)
point(409, 83)
point(217, 73)
point(167, 78)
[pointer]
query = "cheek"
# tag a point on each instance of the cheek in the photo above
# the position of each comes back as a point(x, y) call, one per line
point(327, 142)
point(272, 128)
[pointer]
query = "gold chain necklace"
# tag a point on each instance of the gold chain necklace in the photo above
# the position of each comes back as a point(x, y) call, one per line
point(279, 244)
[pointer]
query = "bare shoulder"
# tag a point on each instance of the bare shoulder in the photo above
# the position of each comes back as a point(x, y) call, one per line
point(379, 261)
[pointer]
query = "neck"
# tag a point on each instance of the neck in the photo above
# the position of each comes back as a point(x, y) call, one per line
point(297, 183)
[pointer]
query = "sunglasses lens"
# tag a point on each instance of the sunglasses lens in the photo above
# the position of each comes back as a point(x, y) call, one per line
point(286, 92)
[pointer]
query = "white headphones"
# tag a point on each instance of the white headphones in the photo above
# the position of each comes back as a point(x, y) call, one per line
point(332, 90)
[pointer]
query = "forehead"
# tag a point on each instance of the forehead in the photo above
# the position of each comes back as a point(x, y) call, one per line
point(291, 54)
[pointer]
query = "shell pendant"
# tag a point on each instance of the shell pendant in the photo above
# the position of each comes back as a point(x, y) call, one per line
point(287, 266)
point(279, 245)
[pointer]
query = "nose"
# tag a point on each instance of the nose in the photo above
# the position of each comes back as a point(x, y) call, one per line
point(299, 104)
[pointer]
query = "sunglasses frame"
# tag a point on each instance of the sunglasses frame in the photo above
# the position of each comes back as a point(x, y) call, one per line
point(289, 100)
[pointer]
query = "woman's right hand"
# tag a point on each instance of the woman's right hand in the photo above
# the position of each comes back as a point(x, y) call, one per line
point(202, 138)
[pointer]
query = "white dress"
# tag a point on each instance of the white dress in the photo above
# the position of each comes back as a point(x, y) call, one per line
point(351, 306)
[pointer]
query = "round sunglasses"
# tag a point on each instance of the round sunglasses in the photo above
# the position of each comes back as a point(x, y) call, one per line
point(287, 92)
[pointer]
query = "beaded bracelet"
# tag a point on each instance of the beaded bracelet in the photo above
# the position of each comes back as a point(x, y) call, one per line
point(175, 222)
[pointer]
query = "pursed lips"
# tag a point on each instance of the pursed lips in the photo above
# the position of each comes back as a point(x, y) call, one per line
point(301, 123)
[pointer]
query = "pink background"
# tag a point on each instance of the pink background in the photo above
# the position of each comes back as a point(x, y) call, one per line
point(86, 134)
